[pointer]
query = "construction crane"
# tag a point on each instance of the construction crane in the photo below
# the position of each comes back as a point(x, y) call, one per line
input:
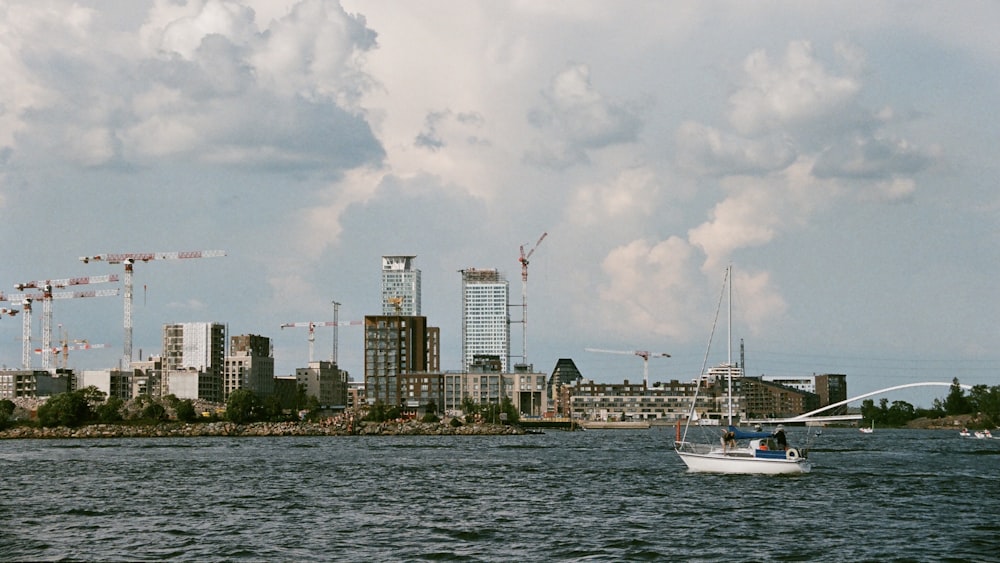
point(46, 286)
point(66, 347)
point(27, 299)
point(129, 259)
point(397, 303)
point(25, 303)
point(524, 296)
point(311, 325)
point(641, 353)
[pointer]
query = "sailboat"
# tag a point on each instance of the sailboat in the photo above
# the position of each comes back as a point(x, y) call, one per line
point(739, 451)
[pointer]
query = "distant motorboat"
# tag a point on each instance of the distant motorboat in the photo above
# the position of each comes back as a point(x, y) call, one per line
point(868, 429)
point(983, 434)
point(964, 433)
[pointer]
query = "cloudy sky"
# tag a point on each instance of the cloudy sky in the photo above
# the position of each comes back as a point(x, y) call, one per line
point(841, 156)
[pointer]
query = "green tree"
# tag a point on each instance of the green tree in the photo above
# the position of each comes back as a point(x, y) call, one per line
point(270, 409)
point(65, 409)
point(870, 412)
point(900, 413)
point(470, 408)
point(185, 411)
point(956, 402)
point(507, 407)
point(6, 411)
point(93, 396)
point(242, 406)
point(110, 410)
point(154, 412)
point(986, 401)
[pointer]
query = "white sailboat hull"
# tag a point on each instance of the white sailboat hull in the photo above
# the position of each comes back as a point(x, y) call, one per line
point(741, 462)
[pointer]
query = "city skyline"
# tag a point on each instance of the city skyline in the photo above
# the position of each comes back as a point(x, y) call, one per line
point(839, 156)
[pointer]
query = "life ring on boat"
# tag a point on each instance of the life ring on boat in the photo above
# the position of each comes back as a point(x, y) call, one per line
point(792, 453)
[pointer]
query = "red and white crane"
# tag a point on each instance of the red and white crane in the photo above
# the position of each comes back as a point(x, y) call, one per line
point(47, 296)
point(26, 299)
point(130, 258)
point(641, 353)
point(311, 325)
point(66, 347)
point(524, 296)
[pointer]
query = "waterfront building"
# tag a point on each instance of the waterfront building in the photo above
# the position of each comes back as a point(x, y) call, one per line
point(326, 382)
point(396, 345)
point(564, 376)
point(286, 389)
point(400, 286)
point(112, 382)
point(485, 316)
point(15, 383)
point(422, 389)
point(765, 399)
point(147, 377)
point(199, 348)
point(485, 383)
point(630, 402)
point(249, 365)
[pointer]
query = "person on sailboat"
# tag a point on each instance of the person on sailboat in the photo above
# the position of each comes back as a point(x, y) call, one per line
point(779, 436)
point(728, 440)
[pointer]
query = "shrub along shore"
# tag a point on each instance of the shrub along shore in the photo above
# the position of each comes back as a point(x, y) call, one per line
point(198, 429)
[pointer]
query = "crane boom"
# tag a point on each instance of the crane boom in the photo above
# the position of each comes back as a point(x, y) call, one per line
point(311, 325)
point(130, 258)
point(645, 355)
point(66, 282)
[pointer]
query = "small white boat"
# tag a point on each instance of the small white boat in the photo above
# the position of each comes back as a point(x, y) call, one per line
point(964, 433)
point(983, 434)
point(868, 429)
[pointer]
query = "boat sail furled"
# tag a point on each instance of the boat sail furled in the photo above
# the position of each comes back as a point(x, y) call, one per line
point(739, 451)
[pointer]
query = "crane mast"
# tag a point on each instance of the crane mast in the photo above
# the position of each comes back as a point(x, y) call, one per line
point(524, 296)
point(27, 299)
point(129, 259)
point(47, 296)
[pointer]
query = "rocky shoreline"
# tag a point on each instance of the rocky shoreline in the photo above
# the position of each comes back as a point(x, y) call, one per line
point(259, 429)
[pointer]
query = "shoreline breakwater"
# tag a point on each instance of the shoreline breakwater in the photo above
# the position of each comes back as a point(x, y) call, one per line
point(258, 429)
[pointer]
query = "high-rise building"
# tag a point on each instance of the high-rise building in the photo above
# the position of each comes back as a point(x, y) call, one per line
point(485, 317)
point(249, 365)
point(396, 345)
point(197, 350)
point(400, 286)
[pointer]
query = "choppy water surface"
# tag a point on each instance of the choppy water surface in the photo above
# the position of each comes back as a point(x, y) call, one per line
point(615, 495)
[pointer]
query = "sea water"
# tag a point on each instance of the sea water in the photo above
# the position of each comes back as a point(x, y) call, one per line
point(609, 495)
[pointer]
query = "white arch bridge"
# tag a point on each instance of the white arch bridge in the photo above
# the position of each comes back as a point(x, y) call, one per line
point(811, 415)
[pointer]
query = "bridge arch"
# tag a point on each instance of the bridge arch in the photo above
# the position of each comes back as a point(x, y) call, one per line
point(806, 416)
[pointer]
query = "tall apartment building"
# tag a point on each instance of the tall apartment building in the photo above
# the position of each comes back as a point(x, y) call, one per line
point(194, 360)
point(396, 345)
point(485, 317)
point(400, 286)
point(249, 365)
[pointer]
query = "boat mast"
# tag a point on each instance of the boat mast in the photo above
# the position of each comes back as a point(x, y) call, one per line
point(729, 342)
